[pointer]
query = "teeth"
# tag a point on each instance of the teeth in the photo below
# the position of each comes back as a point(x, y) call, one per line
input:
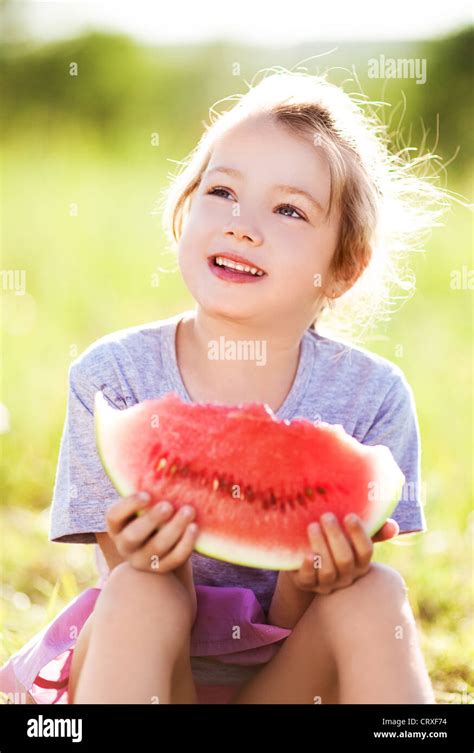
point(222, 262)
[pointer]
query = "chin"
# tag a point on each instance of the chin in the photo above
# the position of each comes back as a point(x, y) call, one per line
point(211, 305)
point(228, 301)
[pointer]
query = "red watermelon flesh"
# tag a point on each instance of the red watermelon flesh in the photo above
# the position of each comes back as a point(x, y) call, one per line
point(255, 481)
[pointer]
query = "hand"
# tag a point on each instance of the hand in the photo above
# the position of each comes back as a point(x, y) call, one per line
point(159, 540)
point(338, 555)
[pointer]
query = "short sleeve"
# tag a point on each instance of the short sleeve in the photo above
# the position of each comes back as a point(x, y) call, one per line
point(396, 426)
point(82, 489)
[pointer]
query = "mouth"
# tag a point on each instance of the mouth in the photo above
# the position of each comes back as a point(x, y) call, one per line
point(234, 271)
point(235, 266)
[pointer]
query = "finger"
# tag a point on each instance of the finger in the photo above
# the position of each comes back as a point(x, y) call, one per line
point(361, 542)
point(171, 532)
point(307, 575)
point(339, 546)
point(177, 556)
point(136, 533)
point(322, 559)
point(183, 549)
point(122, 511)
point(389, 529)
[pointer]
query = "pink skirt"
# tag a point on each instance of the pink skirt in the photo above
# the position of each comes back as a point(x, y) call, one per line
point(41, 668)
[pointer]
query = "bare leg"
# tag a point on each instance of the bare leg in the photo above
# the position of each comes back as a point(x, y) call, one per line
point(141, 632)
point(183, 688)
point(303, 671)
point(377, 645)
point(356, 645)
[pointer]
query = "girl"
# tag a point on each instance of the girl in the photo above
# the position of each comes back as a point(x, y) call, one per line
point(289, 215)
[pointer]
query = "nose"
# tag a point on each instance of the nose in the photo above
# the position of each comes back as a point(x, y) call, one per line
point(237, 227)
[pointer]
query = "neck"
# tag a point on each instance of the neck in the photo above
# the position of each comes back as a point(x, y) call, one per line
point(233, 361)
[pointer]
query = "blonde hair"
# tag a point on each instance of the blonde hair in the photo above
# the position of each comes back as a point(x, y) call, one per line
point(386, 207)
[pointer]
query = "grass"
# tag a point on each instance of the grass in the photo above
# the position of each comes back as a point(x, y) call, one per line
point(91, 274)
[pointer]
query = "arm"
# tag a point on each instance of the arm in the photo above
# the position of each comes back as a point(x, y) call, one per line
point(288, 603)
point(109, 550)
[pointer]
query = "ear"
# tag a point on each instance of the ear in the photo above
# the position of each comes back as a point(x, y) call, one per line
point(336, 289)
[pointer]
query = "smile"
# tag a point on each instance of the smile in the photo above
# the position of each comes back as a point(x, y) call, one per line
point(233, 271)
point(221, 261)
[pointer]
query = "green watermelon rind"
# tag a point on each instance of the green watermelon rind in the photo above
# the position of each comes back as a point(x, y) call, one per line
point(100, 404)
point(257, 558)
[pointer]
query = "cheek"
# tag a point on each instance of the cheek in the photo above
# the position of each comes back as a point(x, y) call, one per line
point(187, 257)
point(304, 271)
point(302, 258)
point(205, 213)
point(198, 230)
point(305, 277)
point(192, 238)
point(184, 253)
point(188, 262)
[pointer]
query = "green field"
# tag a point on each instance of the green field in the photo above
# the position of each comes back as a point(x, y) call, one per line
point(90, 274)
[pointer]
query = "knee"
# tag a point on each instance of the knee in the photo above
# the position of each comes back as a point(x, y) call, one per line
point(130, 589)
point(125, 577)
point(125, 580)
point(382, 581)
point(382, 587)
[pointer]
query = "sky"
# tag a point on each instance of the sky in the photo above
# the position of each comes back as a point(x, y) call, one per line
point(260, 22)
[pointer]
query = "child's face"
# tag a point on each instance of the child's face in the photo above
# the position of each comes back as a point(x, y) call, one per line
point(245, 216)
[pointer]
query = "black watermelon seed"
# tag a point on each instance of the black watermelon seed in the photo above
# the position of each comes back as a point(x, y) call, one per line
point(269, 501)
point(321, 490)
point(249, 494)
point(300, 499)
point(308, 491)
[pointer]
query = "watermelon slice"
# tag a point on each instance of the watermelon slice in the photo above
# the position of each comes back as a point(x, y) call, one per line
point(256, 481)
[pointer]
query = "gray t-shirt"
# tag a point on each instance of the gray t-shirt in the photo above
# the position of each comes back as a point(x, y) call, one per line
point(335, 382)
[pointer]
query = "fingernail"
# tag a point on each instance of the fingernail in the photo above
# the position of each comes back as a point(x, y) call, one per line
point(314, 528)
point(328, 517)
point(143, 496)
point(186, 510)
point(351, 518)
point(164, 507)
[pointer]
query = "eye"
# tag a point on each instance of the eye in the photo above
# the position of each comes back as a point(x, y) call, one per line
point(292, 209)
point(212, 191)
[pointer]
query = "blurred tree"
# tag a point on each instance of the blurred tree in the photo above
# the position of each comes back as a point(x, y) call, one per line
point(449, 93)
point(125, 91)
